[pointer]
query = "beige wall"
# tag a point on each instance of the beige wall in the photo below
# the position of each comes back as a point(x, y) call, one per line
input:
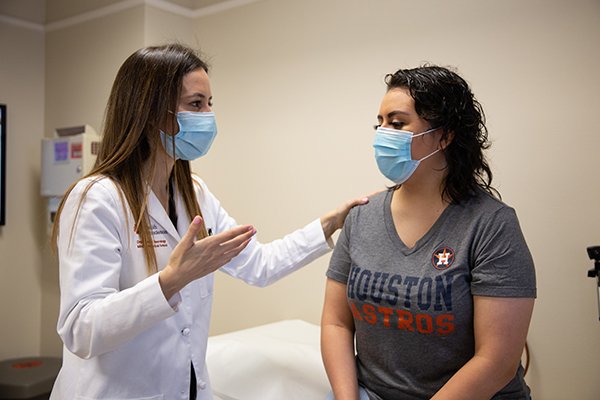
point(82, 61)
point(164, 27)
point(297, 86)
point(22, 90)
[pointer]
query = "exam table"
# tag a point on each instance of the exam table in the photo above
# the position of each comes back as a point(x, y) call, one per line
point(276, 361)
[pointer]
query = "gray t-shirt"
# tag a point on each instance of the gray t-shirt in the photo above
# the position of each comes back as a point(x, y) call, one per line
point(413, 307)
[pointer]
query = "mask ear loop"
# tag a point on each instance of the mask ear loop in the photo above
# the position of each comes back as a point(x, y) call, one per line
point(424, 133)
point(426, 157)
point(172, 138)
point(173, 152)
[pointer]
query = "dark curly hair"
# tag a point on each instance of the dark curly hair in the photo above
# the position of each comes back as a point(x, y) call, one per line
point(445, 100)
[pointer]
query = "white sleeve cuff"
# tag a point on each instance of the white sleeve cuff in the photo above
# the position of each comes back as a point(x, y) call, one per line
point(155, 302)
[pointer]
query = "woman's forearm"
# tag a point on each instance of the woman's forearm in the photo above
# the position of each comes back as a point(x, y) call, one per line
point(501, 326)
point(337, 347)
point(480, 378)
point(337, 342)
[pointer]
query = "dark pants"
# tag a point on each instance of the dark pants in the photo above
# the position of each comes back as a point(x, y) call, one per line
point(192, 383)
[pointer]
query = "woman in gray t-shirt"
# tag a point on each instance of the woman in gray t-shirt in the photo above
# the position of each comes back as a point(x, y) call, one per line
point(431, 286)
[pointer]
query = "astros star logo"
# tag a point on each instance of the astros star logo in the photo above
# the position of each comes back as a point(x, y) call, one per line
point(442, 258)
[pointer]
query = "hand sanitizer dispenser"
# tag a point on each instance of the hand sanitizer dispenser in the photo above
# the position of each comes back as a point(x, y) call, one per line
point(66, 158)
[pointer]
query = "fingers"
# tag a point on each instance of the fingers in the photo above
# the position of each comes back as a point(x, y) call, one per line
point(233, 233)
point(343, 210)
point(234, 252)
point(228, 241)
point(358, 202)
point(193, 230)
point(361, 200)
point(233, 244)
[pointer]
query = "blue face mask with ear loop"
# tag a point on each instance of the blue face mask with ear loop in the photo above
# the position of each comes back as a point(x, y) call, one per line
point(393, 153)
point(197, 130)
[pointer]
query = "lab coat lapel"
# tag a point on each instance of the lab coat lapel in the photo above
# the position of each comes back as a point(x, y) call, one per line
point(160, 216)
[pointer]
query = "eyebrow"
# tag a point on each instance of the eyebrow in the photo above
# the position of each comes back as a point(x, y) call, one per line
point(393, 114)
point(196, 95)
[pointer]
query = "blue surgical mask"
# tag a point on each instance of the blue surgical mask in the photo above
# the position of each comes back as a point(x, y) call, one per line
point(197, 130)
point(393, 153)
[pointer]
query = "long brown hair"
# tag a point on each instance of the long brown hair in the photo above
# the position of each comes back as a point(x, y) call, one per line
point(143, 98)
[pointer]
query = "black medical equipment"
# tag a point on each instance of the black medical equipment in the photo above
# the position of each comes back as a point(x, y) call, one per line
point(594, 254)
point(2, 164)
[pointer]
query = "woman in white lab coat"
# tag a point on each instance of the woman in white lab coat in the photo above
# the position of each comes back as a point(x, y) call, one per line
point(139, 238)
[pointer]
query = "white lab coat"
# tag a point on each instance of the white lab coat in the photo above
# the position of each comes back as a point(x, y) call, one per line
point(122, 338)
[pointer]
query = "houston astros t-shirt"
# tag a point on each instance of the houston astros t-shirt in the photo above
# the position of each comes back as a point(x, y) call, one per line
point(413, 307)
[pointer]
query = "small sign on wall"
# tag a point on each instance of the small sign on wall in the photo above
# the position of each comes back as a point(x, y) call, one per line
point(76, 150)
point(61, 151)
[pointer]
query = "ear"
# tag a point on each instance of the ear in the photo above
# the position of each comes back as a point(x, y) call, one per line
point(446, 139)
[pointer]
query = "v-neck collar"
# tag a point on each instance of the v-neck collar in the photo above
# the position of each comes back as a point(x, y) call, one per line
point(159, 214)
point(393, 233)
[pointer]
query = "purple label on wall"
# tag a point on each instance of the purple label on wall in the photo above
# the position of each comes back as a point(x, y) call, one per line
point(61, 151)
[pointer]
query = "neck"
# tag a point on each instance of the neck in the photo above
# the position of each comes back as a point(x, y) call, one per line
point(425, 192)
point(419, 197)
point(158, 175)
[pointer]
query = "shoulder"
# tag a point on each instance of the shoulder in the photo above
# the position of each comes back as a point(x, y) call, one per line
point(204, 195)
point(488, 216)
point(375, 203)
point(374, 209)
point(200, 187)
point(96, 187)
point(485, 205)
point(378, 200)
point(94, 198)
point(198, 182)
